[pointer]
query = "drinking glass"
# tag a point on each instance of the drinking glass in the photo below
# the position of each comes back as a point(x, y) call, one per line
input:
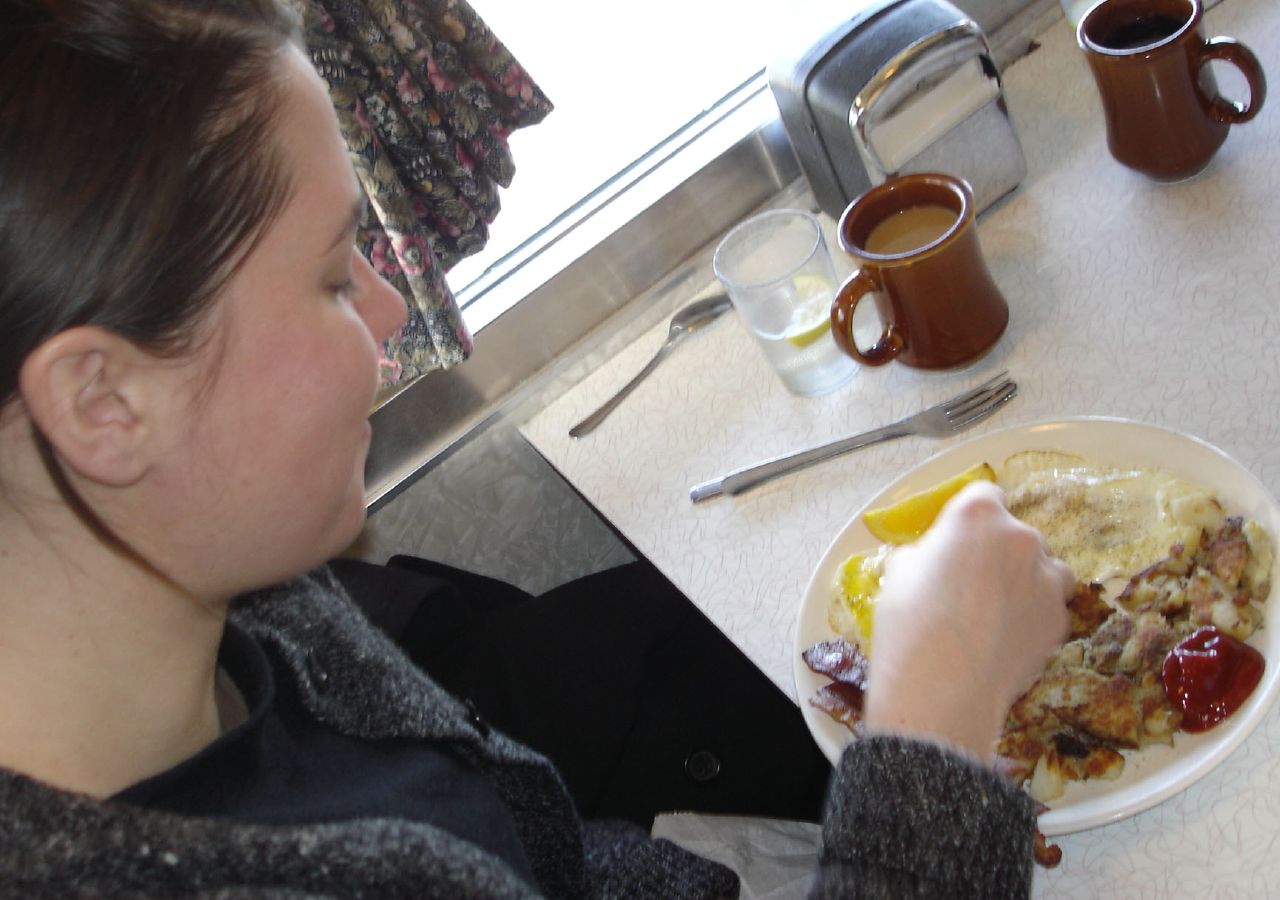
point(779, 275)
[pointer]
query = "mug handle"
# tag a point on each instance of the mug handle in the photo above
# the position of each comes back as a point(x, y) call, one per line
point(1240, 56)
point(890, 343)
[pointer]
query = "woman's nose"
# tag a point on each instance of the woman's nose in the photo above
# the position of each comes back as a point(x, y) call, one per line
point(381, 306)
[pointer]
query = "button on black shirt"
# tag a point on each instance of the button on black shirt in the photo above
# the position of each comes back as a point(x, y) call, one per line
point(281, 766)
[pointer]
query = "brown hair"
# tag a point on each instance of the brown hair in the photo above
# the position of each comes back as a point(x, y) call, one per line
point(137, 163)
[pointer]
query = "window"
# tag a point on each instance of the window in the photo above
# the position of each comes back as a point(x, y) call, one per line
point(630, 83)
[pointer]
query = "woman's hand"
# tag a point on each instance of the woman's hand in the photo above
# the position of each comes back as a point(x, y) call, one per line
point(966, 619)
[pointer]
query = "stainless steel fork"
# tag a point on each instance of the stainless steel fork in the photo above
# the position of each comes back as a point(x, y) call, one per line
point(946, 418)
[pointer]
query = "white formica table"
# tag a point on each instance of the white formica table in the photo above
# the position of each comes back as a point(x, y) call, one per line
point(1159, 303)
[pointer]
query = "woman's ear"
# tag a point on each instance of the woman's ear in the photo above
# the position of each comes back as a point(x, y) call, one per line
point(86, 390)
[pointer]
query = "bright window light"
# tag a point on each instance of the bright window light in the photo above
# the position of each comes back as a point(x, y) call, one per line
point(623, 79)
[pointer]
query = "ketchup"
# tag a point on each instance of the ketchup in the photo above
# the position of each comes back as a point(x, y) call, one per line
point(1208, 675)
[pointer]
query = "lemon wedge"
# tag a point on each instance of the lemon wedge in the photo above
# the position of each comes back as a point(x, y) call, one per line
point(812, 318)
point(803, 337)
point(907, 519)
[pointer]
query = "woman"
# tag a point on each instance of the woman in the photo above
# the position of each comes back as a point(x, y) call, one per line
point(188, 353)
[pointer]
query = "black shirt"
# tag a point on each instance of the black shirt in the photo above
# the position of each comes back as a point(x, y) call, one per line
point(281, 766)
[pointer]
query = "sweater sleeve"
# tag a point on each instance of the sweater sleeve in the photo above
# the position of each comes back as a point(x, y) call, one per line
point(910, 819)
point(624, 863)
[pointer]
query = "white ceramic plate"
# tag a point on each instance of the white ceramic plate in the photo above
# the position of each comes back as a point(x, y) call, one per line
point(1155, 773)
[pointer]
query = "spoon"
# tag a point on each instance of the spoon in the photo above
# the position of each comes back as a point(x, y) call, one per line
point(683, 323)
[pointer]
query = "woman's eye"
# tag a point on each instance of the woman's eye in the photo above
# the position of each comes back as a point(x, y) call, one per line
point(343, 290)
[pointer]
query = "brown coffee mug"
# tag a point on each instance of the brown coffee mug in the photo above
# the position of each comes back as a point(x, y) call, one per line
point(916, 246)
point(1150, 59)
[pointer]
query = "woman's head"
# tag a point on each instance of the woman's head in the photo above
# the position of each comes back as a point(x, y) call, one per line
point(137, 163)
point(184, 321)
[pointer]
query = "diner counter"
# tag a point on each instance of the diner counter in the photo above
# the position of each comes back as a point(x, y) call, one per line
point(1128, 298)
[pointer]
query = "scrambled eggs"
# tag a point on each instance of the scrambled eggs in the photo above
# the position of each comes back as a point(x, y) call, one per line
point(1105, 522)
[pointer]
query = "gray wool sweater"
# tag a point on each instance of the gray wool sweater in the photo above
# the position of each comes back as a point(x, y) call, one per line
point(904, 819)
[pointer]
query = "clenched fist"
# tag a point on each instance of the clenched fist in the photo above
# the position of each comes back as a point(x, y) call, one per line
point(967, 617)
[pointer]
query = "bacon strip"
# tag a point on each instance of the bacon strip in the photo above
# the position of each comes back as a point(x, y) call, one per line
point(842, 702)
point(839, 660)
point(844, 663)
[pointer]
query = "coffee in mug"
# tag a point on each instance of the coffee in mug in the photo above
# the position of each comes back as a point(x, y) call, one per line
point(910, 229)
point(916, 246)
point(1150, 60)
point(1141, 32)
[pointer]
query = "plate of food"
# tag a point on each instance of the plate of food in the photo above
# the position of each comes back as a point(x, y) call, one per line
point(1173, 543)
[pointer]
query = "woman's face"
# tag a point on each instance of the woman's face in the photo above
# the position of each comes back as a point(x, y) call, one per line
point(269, 474)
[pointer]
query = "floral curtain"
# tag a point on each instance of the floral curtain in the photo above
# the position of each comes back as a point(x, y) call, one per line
point(426, 97)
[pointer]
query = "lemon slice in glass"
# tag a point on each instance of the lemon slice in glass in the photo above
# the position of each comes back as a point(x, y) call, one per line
point(907, 519)
point(812, 318)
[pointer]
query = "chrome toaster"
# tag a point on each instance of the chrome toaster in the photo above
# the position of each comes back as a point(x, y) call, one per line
point(903, 86)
